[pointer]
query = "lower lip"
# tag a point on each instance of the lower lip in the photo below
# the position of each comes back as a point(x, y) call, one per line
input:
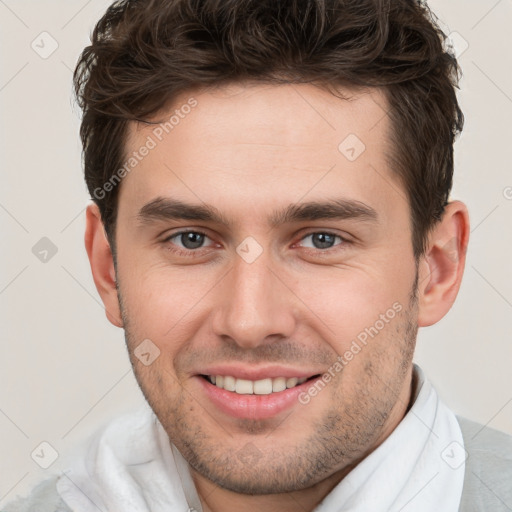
point(258, 407)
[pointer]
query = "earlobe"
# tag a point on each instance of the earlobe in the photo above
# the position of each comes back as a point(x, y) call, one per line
point(102, 264)
point(442, 267)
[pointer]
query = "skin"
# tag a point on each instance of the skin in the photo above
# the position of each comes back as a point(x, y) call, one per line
point(249, 150)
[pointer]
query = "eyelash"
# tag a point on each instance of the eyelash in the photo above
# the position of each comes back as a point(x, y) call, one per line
point(185, 252)
point(197, 252)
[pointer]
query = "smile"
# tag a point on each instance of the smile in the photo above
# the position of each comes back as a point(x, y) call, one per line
point(253, 399)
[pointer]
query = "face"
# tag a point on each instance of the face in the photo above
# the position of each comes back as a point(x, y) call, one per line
point(260, 248)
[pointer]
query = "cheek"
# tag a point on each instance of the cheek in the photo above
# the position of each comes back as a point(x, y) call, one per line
point(354, 301)
point(158, 298)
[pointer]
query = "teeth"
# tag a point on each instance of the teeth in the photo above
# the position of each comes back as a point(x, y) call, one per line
point(291, 382)
point(244, 387)
point(278, 384)
point(229, 383)
point(263, 387)
point(258, 387)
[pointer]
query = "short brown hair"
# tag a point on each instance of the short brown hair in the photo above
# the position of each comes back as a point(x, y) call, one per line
point(144, 53)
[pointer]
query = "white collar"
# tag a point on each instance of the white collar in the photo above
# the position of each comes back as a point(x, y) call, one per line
point(130, 465)
point(419, 467)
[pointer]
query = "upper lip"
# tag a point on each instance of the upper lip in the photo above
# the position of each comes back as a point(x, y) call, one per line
point(258, 373)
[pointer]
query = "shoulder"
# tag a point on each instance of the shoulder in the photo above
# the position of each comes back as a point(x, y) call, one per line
point(475, 435)
point(488, 477)
point(43, 498)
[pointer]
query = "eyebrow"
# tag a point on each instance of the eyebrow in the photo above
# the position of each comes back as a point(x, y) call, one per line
point(165, 208)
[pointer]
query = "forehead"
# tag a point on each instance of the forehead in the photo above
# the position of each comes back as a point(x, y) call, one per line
point(278, 115)
point(257, 143)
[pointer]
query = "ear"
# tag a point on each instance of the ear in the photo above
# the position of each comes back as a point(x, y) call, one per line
point(442, 266)
point(102, 264)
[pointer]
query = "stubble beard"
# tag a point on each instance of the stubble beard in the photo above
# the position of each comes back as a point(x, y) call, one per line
point(340, 438)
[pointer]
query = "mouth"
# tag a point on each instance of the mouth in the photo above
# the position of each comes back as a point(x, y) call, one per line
point(254, 399)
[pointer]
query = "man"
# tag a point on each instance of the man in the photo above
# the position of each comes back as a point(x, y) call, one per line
point(271, 226)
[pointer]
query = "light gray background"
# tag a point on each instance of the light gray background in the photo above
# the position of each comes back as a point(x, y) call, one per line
point(64, 369)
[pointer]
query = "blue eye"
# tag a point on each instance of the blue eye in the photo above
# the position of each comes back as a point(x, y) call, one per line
point(189, 240)
point(323, 240)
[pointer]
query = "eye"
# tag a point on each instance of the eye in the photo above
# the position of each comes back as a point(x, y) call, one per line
point(323, 240)
point(189, 240)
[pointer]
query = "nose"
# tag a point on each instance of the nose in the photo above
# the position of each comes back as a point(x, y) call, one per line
point(254, 306)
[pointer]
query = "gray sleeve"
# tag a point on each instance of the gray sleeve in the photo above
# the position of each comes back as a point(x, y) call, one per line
point(488, 478)
point(43, 498)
